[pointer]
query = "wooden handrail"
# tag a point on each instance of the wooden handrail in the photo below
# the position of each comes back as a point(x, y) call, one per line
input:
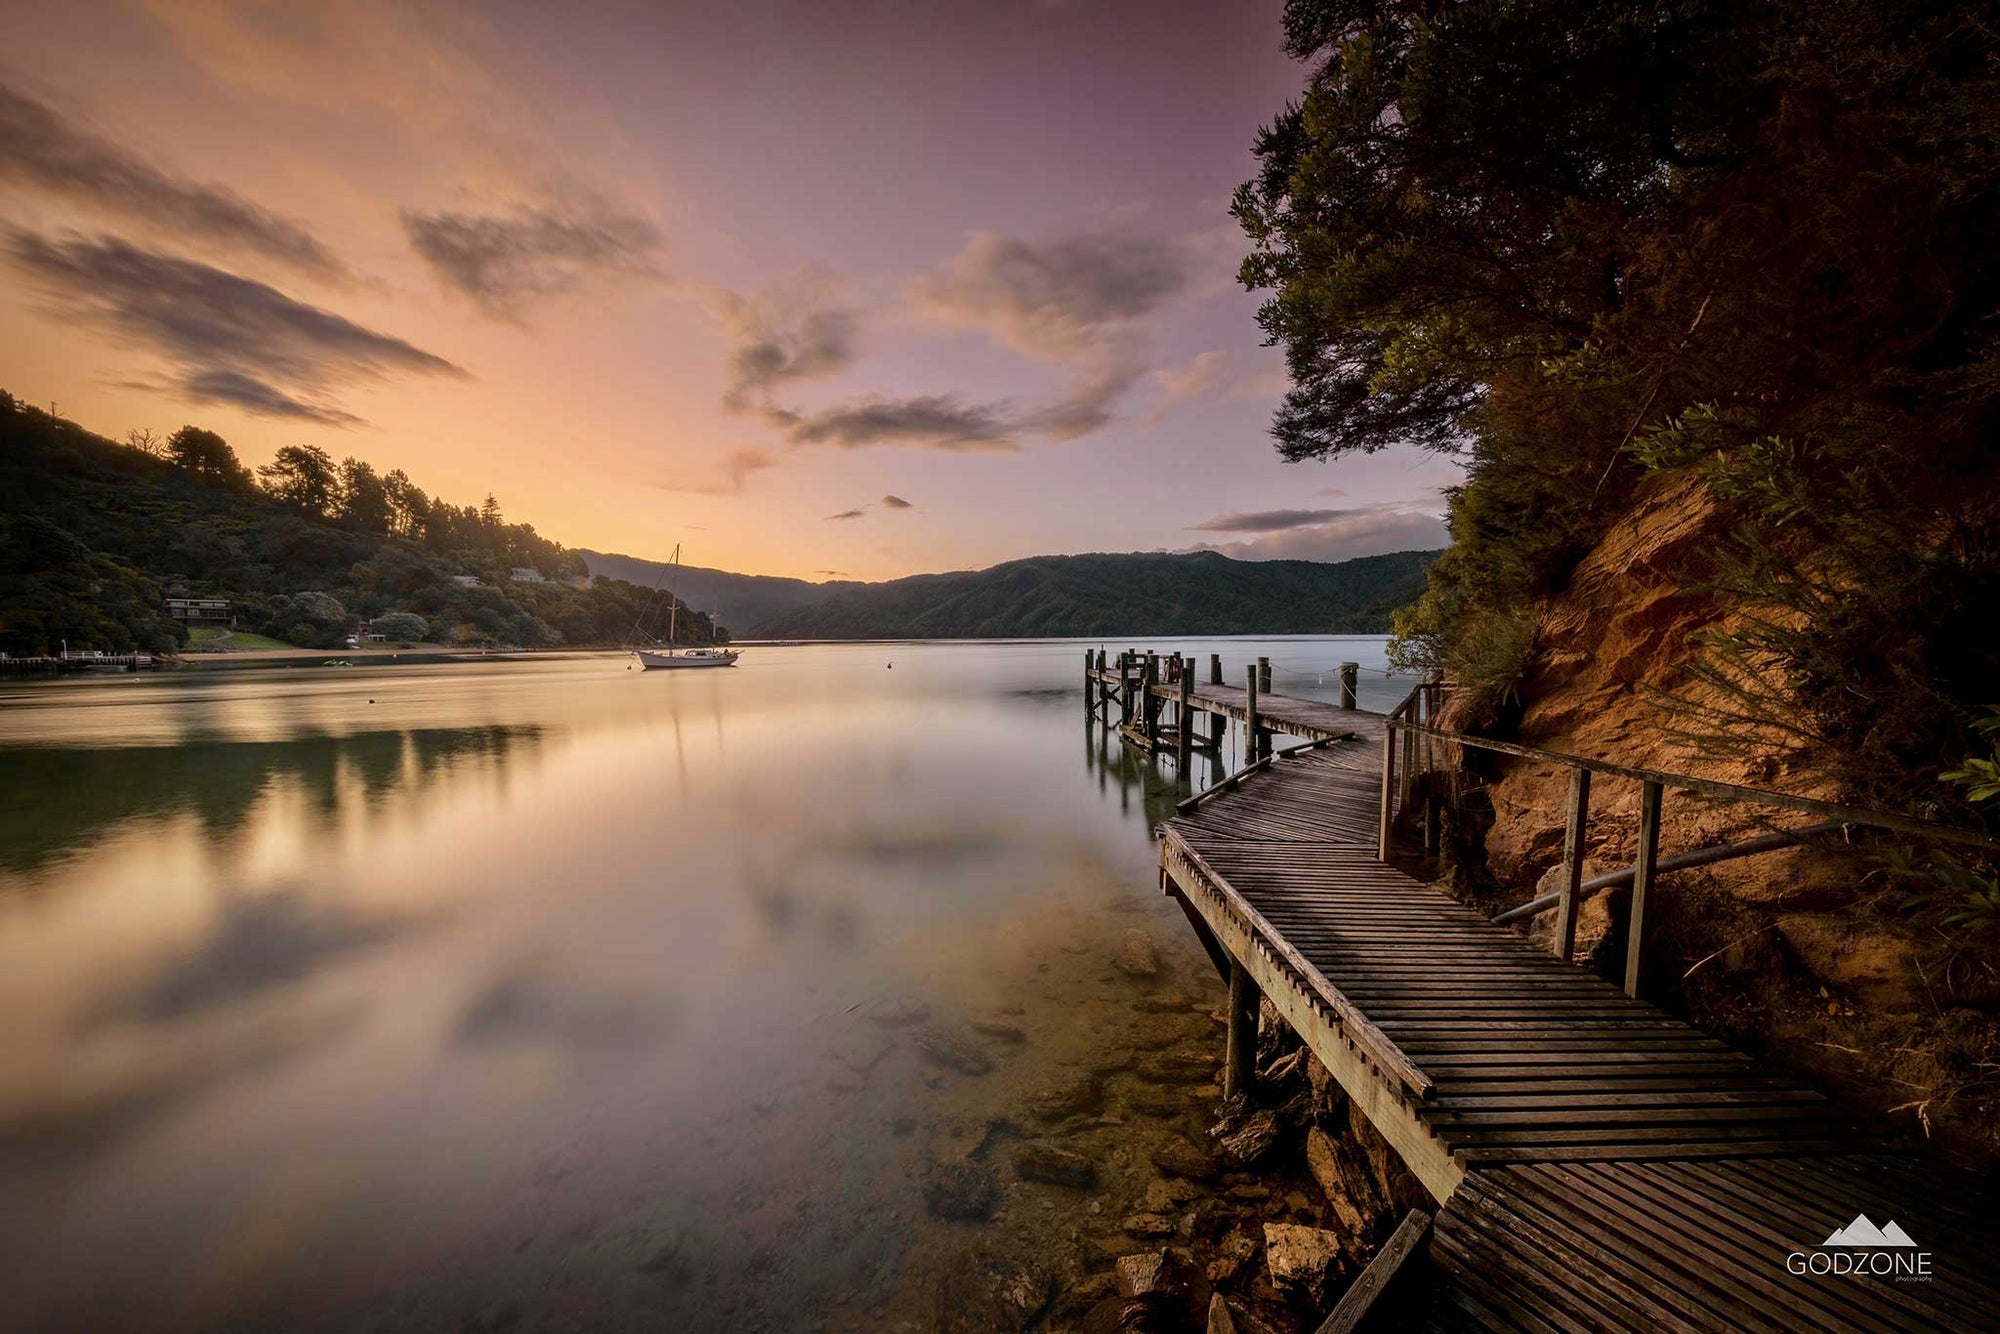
point(1186, 804)
point(1831, 810)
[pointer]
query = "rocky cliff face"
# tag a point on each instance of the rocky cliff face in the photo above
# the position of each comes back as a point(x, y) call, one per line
point(1802, 953)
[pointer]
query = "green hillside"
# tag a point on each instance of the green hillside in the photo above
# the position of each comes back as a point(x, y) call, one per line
point(95, 536)
point(1200, 593)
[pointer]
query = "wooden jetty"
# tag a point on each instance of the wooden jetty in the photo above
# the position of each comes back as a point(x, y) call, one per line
point(76, 662)
point(1597, 1164)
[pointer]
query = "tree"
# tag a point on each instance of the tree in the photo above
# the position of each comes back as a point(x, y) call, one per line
point(207, 455)
point(364, 499)
point(1536, 236)
point(409, 507)
point(146, 442)
point(489, 512)
point(402, 625)
point(302, 476)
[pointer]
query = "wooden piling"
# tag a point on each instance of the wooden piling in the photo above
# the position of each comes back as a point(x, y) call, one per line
point(1215, 669)
point(1240, 1053)
point(1350, 682)
point(1184, 719)
point(1264, 675)
point(1644, 865)
point(1089, 685)
point(1563, 942)
point(1149, 707)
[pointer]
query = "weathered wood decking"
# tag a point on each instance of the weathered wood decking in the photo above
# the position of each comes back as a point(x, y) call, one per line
point(1599, 1164)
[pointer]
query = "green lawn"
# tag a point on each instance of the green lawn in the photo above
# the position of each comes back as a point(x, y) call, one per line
point(207, 636)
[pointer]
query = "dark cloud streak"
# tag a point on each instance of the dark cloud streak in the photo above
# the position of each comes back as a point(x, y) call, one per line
point(42, 151)
point(1267, 521)
point(233, 339)
point(504, 261)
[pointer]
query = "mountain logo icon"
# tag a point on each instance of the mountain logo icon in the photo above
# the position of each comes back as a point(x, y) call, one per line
point(1862, 1232)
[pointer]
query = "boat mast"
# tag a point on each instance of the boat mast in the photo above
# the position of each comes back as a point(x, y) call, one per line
point(674, 610)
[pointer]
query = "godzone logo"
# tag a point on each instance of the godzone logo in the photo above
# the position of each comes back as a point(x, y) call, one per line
point(1862, 1248)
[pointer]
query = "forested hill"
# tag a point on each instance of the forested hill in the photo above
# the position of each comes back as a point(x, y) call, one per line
point(1202, 593)
point(744, 600)
point(95, 536)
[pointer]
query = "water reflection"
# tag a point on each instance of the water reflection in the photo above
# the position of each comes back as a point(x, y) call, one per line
point(551, 995)
point(54, 801)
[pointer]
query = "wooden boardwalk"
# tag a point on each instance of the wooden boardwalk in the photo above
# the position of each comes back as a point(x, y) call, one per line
point(1598, 1163)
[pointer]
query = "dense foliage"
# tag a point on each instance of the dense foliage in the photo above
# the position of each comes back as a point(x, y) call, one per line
point(95, 536)
point(1118, 596)
point(1578, 243)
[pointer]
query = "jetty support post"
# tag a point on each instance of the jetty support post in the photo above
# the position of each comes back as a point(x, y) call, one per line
point(1184, 717)
point(1644, 864)
point(1215, 669)
point(1103, 693)
point(1388, 824)
point(1089, 684)
point(1350, 681)
point(1125, 688)
point(1253, 741)
point(1149, 706)
point(1563, 942)
point(1240, 1054)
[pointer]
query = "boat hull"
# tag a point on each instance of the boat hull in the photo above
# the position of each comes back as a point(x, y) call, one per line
point(654, 662)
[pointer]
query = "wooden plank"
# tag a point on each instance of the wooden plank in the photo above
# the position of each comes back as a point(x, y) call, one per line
point(1355, 1306)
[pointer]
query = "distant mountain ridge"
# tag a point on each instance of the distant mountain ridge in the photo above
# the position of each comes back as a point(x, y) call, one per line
point(1138, 593)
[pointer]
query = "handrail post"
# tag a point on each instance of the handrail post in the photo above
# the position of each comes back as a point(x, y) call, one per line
point(1388, 787)
point(1215, 669)
point(1563, 944)
point(1350, 678)
point(1644, 863)
point(1264, 675)
point(1253, 746)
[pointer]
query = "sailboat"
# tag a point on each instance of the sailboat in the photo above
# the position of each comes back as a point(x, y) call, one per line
point(668, 658)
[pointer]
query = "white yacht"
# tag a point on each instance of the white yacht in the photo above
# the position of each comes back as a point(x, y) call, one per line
point(669, 658)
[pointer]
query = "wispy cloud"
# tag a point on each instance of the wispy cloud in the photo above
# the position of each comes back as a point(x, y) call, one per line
point(849, 514)
point(790, 332)
point(930, 421)
point(727, 478)
point(1056, 299)
point(230, 339)
point(505, 261)
point(43, 151)
point(1268, 521)
point(896, 503)
point(1344, 534)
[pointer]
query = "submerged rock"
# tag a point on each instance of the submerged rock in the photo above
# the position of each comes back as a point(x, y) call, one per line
point(953, 1051)
point(860, 1049)
point(1137, 957)
point(992, 1293)
point(1068, 1097)
point(1185, 1066)
point(1147, 1225)
point(997, 1028)
point(1055, 1167)
point(898, 1011)
point(1177, 1157)
point(961, 1192)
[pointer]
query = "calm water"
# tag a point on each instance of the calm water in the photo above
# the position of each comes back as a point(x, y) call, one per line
point(544, 993)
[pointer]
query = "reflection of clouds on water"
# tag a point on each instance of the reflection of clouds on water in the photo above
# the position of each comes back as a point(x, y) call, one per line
point(526, 1006)
point(73, 1124)
point(57, 800)
point(260, 944)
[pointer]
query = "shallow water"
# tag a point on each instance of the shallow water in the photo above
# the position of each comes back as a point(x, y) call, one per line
point(544, 993)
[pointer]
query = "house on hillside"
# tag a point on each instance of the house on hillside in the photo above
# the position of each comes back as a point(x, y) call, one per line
point(527, 574)
point(201, 611)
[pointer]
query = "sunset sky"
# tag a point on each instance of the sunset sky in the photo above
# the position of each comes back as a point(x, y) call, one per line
point(810, 287)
